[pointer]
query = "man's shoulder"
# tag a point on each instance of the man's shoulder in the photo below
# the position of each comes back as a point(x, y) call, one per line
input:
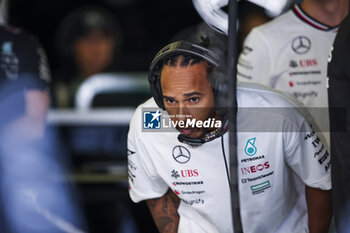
point(16, 34)
point(148, 128)
point(150, 103)
point(264, 104)
point(257, 95)
point(277, 24)
point(137, 117)
point(7, 30)
point(342, 38)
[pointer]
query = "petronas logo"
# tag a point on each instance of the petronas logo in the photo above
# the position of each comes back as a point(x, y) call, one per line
point(250, 148)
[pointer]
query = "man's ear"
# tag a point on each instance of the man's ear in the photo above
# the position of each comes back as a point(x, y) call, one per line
point(218, 82)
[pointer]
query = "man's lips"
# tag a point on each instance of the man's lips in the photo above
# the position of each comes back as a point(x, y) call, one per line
point(186, 131)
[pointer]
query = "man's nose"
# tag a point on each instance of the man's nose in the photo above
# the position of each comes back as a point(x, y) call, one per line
point(182, 111)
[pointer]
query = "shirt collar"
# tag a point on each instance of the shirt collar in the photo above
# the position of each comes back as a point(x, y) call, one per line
point(302, 15)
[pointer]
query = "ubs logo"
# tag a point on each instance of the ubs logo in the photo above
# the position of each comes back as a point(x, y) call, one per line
point(175, 174)
point(181, 154)
point(189, 173)
point(301, 45)
point(186, 174)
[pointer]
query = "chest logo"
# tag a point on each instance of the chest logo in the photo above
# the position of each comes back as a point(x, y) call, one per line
point(175, 174)
point(301, 45)
point(181, 154)
point(9, 62)
point(250, 148)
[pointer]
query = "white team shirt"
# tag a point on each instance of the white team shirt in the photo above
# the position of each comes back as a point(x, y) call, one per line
point(271, 168)
point(290, 54)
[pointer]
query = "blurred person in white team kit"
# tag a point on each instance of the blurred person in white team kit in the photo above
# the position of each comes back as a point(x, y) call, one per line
point(290, 54)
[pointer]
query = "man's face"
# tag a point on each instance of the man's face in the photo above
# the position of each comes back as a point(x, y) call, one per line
point(93, 53)
point(187, 94)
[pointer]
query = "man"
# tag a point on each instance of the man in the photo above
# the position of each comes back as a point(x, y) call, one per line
point(290, 54)
point(24, 79)
point(33, 198)
point(339, 96)
point(184, 178)
point(89, 42)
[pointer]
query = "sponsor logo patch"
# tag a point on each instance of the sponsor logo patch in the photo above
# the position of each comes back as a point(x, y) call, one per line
point(255, 168)
point(260, 188)
point(301, 45)
point(188, 183)
point(175, 174)
point(246, 180)
point(250, 148)
point(181, 154)
point(197, 201)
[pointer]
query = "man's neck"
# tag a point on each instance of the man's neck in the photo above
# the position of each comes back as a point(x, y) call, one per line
point(329, 12)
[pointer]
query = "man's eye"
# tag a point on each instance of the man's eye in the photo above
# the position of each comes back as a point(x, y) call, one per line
point(170, 101)
point(193, 99)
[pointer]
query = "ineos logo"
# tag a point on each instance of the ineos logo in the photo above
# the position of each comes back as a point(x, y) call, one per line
point(301, 44)
point(255, 168)
point(181, 154)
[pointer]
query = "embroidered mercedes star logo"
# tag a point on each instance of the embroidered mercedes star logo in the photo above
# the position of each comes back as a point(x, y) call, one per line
point(181, 154)
point(301, 45)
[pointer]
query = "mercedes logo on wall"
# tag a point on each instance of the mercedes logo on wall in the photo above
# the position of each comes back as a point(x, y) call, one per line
point(181, 154)
point(301, 45)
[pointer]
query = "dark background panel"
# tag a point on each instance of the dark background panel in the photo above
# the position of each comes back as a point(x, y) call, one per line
point(147, 24)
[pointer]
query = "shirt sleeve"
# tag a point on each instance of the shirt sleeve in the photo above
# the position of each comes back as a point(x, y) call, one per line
point(34, 64)
point(308, 157)
point(254, 60)
point(144, 181)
